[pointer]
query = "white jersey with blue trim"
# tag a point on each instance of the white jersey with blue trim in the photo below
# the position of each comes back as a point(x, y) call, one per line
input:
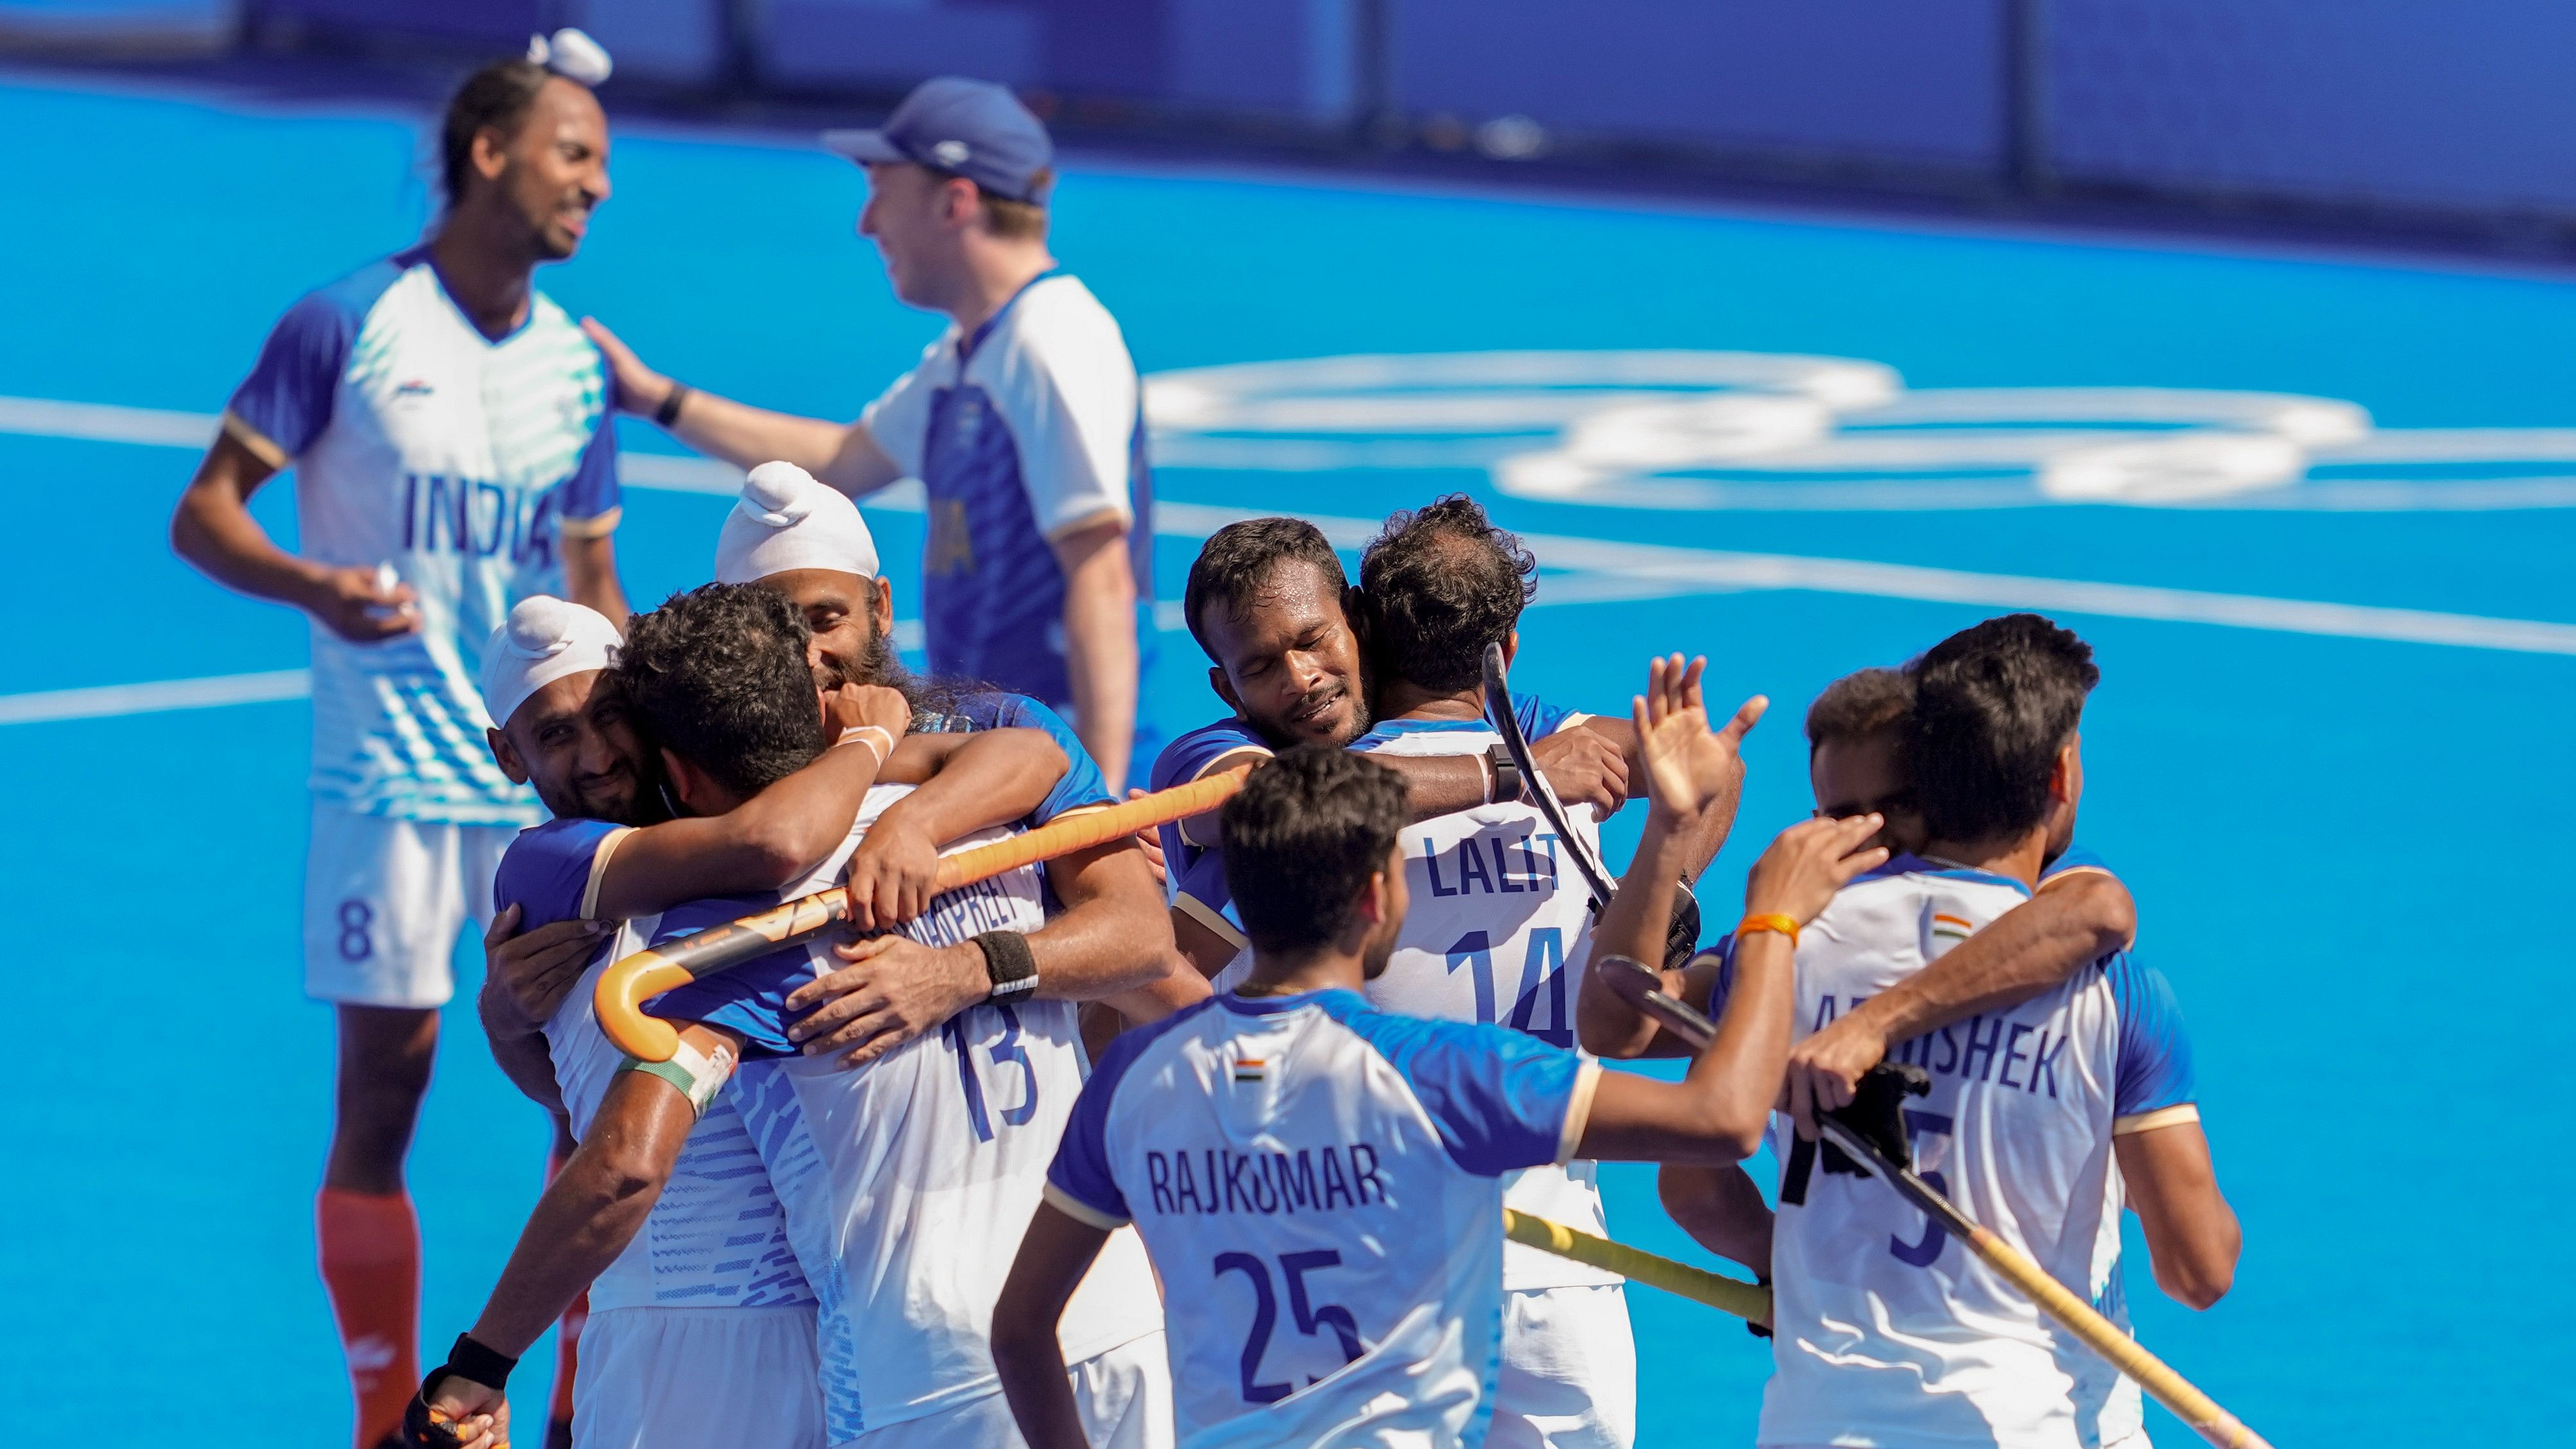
point(907, 1182)
point(460, 462)
point(1888, 1333)
point(716, 1237)
point(1318, 1183)
point(1498, 930)
point(1024, 431)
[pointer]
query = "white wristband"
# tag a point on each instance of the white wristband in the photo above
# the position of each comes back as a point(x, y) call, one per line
point(859, 734)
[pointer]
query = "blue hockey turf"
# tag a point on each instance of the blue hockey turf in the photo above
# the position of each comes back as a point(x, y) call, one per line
point(2325, 754)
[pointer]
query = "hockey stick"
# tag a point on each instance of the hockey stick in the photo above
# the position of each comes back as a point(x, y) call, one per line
point(1683, 935)
point(1749, 1301)
point(1642, 989)
point(631, 981)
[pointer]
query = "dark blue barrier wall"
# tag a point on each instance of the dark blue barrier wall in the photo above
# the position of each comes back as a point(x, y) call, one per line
point(2465, 104)
point(1878, 80)
point(2451, 105)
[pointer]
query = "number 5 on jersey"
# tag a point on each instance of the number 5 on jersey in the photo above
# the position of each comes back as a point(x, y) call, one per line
point(1309, 1316)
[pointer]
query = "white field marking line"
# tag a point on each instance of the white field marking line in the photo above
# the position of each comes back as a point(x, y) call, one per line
point(1690, 570)
point(1711, 570)
point(103, 701)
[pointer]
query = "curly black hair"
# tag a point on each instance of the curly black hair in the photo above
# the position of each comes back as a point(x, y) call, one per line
point(718, 675)
point(1440, 584)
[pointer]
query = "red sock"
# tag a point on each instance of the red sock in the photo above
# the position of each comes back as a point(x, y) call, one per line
point(567, 1334)
point(371, 1264)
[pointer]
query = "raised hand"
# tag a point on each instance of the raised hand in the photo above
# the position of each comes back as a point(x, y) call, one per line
point(1798, 875)
point(1690, 769)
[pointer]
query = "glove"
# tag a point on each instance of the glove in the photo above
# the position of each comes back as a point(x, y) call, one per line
point(485, 1368)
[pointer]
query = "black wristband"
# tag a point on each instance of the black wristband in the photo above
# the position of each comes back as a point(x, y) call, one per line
point(471, 1360)
point(669, 412)
point(1508, 785)
point(1008, 964)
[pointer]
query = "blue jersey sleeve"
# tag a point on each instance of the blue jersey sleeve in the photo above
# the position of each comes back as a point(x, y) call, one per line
point(287, 398)
point(1184, 760)
point(1538, 718)
point(1080, 1171)
point(546, 871)
point(2075, 861)
point(1723, 953)
point(1187, 758)
point(751, 998)
point(1501, 1099)
point(590, 496)
point(1202, 880)
point(1082, 783)
point(2154, 1070)
point(1080, 1181)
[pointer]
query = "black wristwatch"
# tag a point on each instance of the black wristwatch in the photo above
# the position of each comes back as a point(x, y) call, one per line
point(669, 412)
point(1508, 784)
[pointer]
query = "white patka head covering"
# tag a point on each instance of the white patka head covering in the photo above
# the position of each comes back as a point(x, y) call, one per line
point(545, 639)
point(787, 520)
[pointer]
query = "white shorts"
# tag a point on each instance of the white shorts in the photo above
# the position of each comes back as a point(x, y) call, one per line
point(1125, 1396)
point(384, 900)
point(689, 1378)
point(1569, 1378)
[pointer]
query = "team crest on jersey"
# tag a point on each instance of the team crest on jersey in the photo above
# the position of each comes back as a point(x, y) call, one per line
point(413, 387)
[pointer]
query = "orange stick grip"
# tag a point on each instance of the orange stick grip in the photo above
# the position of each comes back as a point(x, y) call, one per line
point(629, 982)
point(1093, 827)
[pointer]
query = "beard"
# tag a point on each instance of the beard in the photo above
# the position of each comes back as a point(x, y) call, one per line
point(1280, 736)
point(936, 700)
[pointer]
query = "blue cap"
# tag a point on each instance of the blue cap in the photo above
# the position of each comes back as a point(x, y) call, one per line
point(968, 128)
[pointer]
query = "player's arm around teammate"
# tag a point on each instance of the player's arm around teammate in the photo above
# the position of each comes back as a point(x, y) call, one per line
point(1715, 1114)
point(1112, 941)
point(1691, 771)
point(1270, 605)
point(979, 780)
point(2081, 912)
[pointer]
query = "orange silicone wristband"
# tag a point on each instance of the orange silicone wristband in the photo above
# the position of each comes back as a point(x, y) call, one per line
point(1768, 921)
